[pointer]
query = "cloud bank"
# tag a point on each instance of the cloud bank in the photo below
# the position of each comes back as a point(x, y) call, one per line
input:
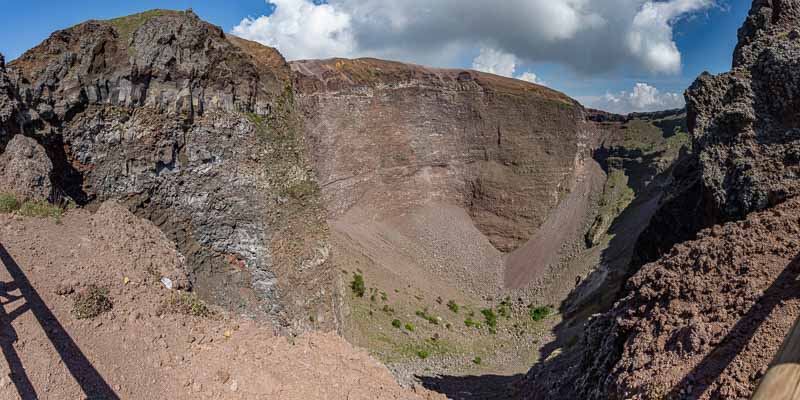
point(641, 98)
point(590, 36)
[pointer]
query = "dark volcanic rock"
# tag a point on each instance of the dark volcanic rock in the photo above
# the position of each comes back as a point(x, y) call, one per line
point(705, 319)
point(9, 106)
point(195, 130)
point(25, 170)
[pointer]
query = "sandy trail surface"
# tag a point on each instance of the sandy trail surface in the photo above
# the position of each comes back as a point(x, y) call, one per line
point(137, 350)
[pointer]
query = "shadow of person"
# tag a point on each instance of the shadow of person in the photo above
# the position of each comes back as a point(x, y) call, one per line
point(90, 381)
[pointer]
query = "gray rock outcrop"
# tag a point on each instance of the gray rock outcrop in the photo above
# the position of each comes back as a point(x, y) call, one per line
point(25, 170)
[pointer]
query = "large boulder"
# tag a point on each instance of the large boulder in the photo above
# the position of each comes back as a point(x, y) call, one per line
point(25, 170)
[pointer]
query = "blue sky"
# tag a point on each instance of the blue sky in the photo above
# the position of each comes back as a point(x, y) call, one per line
point(704, 37)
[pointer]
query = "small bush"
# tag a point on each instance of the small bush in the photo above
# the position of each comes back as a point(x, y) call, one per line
point(91, 302)
point(187, 303)
point(490, 316)
point(469, 322)
point(396, 323)
point(357, 285)
point(40, 209)
point(384, 297)
point(477, 361)
point(387, 309)
point(540, 313)
point(410, 327)
point(423, 354)
point(452, 306)
point(8, 203)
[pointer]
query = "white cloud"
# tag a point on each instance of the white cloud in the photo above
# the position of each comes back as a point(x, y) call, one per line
point(302, 29)
point(588, 35)
point(503, 64)
point(532, 78)
point(642, 98)
point(495, 62)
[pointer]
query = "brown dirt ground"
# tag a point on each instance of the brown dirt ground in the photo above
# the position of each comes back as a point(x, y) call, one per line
point(136, 351)
point(706, 320)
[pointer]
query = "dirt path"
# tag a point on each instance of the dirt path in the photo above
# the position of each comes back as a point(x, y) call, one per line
point(139, 349)
point(530, 262)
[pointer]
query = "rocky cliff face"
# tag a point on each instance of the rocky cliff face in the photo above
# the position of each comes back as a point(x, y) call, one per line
point(391, 136)
point(705, 320)
point(195, 130)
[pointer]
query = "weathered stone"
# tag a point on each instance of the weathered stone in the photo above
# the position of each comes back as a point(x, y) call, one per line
point(197, 131)
point(25, 170)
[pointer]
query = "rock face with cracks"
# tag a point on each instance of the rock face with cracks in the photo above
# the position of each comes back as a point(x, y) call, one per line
point(196, 131)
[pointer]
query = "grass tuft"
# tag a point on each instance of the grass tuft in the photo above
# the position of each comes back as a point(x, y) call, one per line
point(91, 302)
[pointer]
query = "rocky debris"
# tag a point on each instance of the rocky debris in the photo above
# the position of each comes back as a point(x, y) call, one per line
point(195, 130)
point(25, 170)
point(704, 320)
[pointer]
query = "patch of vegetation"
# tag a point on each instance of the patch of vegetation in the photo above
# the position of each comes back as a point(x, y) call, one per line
point(410, 327)
point(301, 190)
point(477, 361)
point(91, 302)
point(540, 313)
point(387, 309)
point(40, 209)
point(423, 354)
point(470, 323)
point(453, 306)
point(188, 304)
point(384, 297)
point(396, 323)
point(505, 308)
point(430, 318)
point(8, 203)
point(125, 26)
point(490, 317)
point(357, 285)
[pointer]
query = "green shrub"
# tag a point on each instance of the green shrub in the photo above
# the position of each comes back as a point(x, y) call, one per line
point(423, 354)
point(469, 322)
point(477, 361)
point(8, 203)
point(91, 302)
point(396, 323)
point(357, 285)
point(188, 304)
point(540, 313)
point(384, 297)
point(490, 316)
point(40, 209)
point(387, 309)
point(410, 327)
point(452, 306)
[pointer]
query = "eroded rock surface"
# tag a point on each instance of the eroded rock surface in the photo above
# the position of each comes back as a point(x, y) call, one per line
point(705, 320)
point(25, 170)
point(195, 130)
point(392, 136)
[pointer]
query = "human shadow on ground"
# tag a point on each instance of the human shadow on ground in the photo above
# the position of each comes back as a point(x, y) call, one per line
point(81, 369)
